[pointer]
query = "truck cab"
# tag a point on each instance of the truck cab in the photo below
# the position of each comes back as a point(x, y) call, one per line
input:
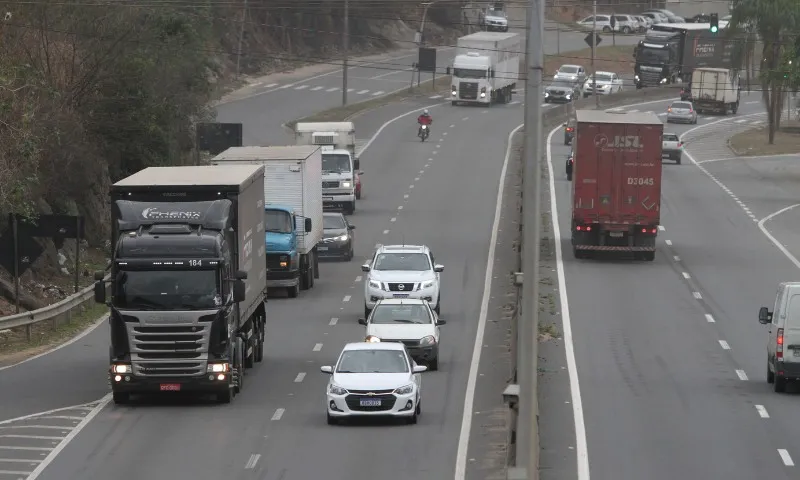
point(283, 258)
point(657, 58)
point(470, 79)
point(339, 179)
point(334, 136)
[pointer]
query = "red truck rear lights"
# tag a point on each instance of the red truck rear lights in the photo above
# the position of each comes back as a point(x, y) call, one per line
point(569, 129)
point(779, 348)
point(650, 230)
point(583, 228)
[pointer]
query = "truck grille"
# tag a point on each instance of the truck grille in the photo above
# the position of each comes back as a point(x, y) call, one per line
point(395, 287)
point(330, 184)
point(468, 90)
point(169, 350)
point(354, 403)
point(274, 261)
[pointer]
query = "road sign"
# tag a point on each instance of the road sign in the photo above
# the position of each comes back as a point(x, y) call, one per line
point(427, 60)
point(215, 138)
point(597, 39)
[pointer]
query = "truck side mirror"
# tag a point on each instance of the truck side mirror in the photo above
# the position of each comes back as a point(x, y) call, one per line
point(99, 275)
point(240, 275)
point(356, 164)
point(100, 292)
point(764, 315)
point(307, 225)
point(238, 291)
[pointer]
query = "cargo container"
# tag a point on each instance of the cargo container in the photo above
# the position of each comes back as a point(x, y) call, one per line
point(715, 90)
point(616, 187)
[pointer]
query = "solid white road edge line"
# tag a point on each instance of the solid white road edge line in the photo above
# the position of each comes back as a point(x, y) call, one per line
point(774, 240)
point(70, 436)
point(469, 397)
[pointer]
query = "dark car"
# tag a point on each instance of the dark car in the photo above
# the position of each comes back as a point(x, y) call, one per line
point(562, 91)
point(337, 237)
point(569, 131)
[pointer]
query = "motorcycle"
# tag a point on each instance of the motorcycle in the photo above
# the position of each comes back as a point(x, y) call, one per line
point(570, 164)
point(423, 133)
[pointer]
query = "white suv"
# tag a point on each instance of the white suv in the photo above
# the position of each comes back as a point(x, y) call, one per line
point(401, 271)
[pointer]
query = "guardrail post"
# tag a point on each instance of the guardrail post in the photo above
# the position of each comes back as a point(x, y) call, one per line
point(28, 331)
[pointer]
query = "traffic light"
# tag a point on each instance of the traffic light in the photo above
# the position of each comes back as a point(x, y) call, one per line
point(714, 21)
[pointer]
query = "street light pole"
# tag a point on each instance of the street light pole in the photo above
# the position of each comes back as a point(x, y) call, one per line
point(241, 38)
point(345, 48)
point(594, 40)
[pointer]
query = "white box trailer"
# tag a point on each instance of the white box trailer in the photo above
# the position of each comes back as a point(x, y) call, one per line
point(486, 68)
point(293, 210)
point(715, 89)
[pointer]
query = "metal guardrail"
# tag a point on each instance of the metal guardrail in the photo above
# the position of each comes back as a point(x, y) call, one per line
point(50, 312)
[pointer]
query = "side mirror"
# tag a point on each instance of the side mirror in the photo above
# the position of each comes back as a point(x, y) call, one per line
point(240, 275)
point(365, 268)
point(356, 164)
point(351, 227)
point(362, 321)
point(307, 225)
point(100, 292)
point(326, 369)
point(439, 321)
point(764, 315)
point(438, 268)
point(99, 275)
point(238, 291)
point(419, 368)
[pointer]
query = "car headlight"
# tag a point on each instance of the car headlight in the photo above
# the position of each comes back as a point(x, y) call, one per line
point(374, 284)
point(636, 77)
point(346, 184)
point(428, 284)
point(568, 96)
point(341, 238)
point(121, 369)
point(546, 94)
point(334, 389)
point(372, 339)
point(217, 367)
point(405, 389)
point(427, 341)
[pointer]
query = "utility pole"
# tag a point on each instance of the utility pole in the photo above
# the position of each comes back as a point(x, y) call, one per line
point(345, 48)
point(527, 423)
point(594, 40)
point(241, 38)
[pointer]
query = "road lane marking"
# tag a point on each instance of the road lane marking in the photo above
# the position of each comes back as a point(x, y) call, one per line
point(416, 179)
point(332, 89)
point(676, 258)
point(668, 242)
point(278, 414)
point(465, 119)
point(434, 152)
point(317, 347)
point(271, 85)
point(787, 459)
point(252, 461)
point(301, 87)
point(762, 412)
point(434, 97)
point(697, 295)
point(300, 376)
point(724, 345)
point(393, 219)
point(333, 321)
point(437, 146)
point(411, 186)
point(774, 240)
point(451, 126)
point(686, 275)
point(33, 437)
point(385, 232)
point(405, 196)
point(399, 207)
point(362, 92)
point(346, 298)
point(661, 228)
point(710, 318)
point(358, 279)
point(379, 92)
point(315, 89)
point(14, 472)
point(742, 375)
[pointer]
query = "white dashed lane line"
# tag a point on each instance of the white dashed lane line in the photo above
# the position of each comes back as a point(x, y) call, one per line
point(301, 87)
point(668, 242)
point(399, 207)
point(393, 219)
point(787, 459)
point(405, 196)
point(346, 298)
point(686, 275)
point(762, 412)
point(300, 376)
point(278, 414)
point(742, 375)
point(317, 347)
point(676, 258)
point(724, 345)
point(411, 186)
point(697, 295)
point(385, 232)
point(315, 89)
point(333, 321)
point(661, 227)
point(379, 92)
point(358, 279)
point(710, 318)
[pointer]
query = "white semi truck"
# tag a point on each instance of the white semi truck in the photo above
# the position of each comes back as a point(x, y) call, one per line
point(292, 210)
point(486, 68)
point(341, 177)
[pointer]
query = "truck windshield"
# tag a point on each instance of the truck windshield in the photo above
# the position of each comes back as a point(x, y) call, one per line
point(469, 73)
point(277, 221)
point(656, 56)
point(335, 163)
point(167, 290)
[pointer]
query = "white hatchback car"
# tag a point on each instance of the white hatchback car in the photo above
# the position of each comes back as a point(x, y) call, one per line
point(374, 379)
point(402, 271)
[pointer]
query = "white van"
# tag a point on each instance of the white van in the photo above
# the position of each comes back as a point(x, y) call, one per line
point(783, 348)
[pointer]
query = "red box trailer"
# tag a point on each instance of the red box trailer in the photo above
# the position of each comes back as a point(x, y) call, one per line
point(616, 186)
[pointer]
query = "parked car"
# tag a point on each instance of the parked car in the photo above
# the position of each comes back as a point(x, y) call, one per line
point(493, 20)
point(671, 17)
point(672, 147)
point(644, 23)
point(699, 18)
point(656, 17)
point(607, 83)
point(681, 112)
point(625, 24)
point(602, 22)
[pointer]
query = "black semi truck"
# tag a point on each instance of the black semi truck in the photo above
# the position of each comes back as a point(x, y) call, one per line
point(187, 280)
point(669, 53)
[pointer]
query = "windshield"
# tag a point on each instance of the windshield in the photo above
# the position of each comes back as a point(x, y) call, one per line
point(335, 162)
point(685, 105)
point(373, 361)
point(469, 73)
point(332, 222)
point(670, 138)
point(167, 290)
point(496, 13)
point(568, 69)
point(417, 262)
point(389, 314)
point(601, 77)
point(653, 55)
point(561, 84)
point(277, 221)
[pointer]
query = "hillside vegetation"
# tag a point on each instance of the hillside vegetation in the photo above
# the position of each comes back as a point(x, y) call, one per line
point(90, 92)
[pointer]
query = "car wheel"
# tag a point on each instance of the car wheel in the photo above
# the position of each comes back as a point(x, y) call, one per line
point(350, 254)
point(438, 308)
point(779, 384)
point(606, 29)
point(433, 365)
point(770, 375)
point(412, 420)
point(332, 420)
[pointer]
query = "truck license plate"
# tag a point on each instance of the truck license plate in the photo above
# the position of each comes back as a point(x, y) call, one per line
point(615, 234)
point(370, 402)
point(170, 387)
point(330, 199)
point(322, 249)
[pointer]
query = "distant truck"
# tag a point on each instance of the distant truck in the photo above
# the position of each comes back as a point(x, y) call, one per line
point(188, 280)
point(485, 68)
point(616, 187)
point(341, 177)
point(292, 210)
point(715, 90)
point(669, 53)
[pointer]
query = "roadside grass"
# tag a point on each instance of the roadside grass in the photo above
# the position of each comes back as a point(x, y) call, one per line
point(15, 347)
point(753, 142)
point(617, 58)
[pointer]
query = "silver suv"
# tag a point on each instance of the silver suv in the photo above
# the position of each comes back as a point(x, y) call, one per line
point(402, 271)
point(494, 20)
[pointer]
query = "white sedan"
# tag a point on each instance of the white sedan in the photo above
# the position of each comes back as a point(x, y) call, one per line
point(607, 83)
point(374, 379)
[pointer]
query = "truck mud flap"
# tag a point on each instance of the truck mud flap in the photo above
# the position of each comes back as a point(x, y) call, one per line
point(609, 248)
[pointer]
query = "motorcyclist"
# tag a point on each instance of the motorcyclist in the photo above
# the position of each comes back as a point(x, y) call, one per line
point(424, 119)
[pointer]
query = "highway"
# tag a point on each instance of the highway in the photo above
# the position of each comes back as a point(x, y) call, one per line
point(671, 359)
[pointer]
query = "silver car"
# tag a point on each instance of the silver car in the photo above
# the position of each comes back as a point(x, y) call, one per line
point(681, 112)
point(571, 73)
point(672, 147)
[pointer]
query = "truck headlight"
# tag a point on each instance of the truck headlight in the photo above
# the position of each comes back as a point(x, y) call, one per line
point(454, 93)
point(483, 94)
point(121, 369)
point(405, 389)
point(663, 80)
point(427, 341)
point(217, 368)
point(636, 78)
point(374, 284)
point(346, 184)
point(284, 261)
point(336, 389)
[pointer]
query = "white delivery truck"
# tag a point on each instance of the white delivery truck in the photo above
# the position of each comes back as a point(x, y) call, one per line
point(292, 210)
point(486, 68)
point(341, 177)
point(715, 89)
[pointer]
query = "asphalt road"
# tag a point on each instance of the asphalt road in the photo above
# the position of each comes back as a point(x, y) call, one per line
point(670, 356)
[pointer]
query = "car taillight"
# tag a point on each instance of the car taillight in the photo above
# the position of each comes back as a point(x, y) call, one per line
point(680, 144)
point(583, 228)
point(569, 129)
point(779, 348)
point(690, 110)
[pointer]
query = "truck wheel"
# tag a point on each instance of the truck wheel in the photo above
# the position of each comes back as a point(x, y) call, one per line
point(351, 208)
point(259, 350)
point(293, 292)
point(569, 177)
point(316, 265)
point(121, 398)
point(735, 108)
point(311, 275)
point(238, 364)
point(678, 161)
point(648, 256)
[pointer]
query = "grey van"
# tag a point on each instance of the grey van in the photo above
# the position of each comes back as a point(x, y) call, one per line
point(783, 347)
